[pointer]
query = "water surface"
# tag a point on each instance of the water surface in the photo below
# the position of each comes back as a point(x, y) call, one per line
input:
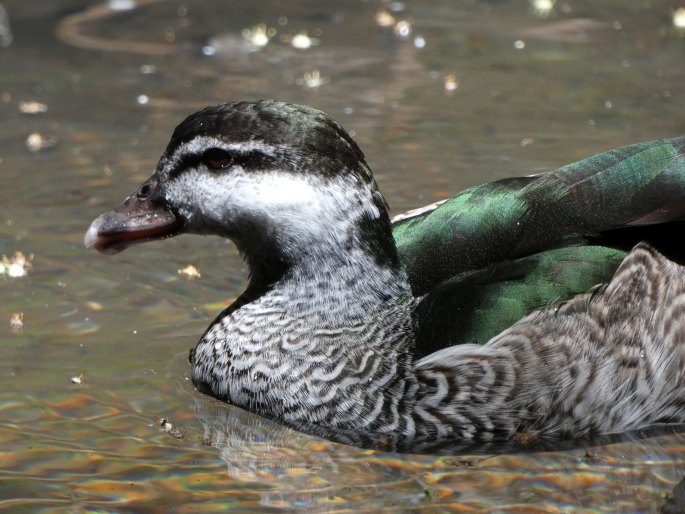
point(477, 90)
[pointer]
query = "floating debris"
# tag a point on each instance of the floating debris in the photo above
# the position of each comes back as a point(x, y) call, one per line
point(32, 107)
point(384, 18)
point(526, 141)
point(542, 8)
point(36, 142)
point(402, 29)
point(302, 41)
point(94, 306)
point(78, 379)
point(17, 322)
point(170, 428)
point(451, 83)
point(259, 35)
point(16, 266)
point(190, 271)
point(679, 18)
point(312, 80)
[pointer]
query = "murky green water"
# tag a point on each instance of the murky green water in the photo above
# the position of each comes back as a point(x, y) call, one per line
point(530, 93)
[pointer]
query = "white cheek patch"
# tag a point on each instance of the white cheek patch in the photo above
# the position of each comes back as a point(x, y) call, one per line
point(309, 199)
point(295, 206)
point(277, 191)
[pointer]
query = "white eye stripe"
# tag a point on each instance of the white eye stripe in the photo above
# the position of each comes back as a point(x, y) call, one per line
point(201, 143)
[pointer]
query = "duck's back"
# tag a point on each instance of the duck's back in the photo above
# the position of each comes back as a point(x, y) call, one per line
point(515, 245)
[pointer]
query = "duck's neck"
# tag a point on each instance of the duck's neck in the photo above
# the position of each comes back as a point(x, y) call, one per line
point(331, 288)
point(336, 261)
point(329, 342)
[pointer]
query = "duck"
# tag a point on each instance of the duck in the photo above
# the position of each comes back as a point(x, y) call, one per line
point(551, 304)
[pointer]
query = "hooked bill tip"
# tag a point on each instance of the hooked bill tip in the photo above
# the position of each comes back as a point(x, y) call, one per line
point(94, 239)
point(92, 233)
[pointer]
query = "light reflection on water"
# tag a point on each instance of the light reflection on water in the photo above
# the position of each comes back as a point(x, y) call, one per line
point(124, 324)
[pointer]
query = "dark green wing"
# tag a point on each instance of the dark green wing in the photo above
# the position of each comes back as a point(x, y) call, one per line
point(596, 208)
point(477, 305)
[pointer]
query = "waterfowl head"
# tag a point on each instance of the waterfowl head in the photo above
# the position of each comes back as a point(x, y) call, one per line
point(285, 182)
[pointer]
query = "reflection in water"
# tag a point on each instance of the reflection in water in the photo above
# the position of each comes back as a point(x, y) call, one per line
point(300, 472)
point(71, 30)
point(294, 469)
point(233, 423)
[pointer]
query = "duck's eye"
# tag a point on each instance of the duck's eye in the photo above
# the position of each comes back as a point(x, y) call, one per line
point(216, 158)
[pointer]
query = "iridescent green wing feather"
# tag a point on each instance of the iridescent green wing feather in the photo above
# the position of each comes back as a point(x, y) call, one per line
point(596, 209)
point(477, 305)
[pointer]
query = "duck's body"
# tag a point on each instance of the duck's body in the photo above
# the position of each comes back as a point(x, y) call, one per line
point(344, 327)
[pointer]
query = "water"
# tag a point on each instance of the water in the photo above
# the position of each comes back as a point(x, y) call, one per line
point(478, 90)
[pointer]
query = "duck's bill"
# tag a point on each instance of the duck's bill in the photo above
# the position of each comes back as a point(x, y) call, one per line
point(134, 221)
